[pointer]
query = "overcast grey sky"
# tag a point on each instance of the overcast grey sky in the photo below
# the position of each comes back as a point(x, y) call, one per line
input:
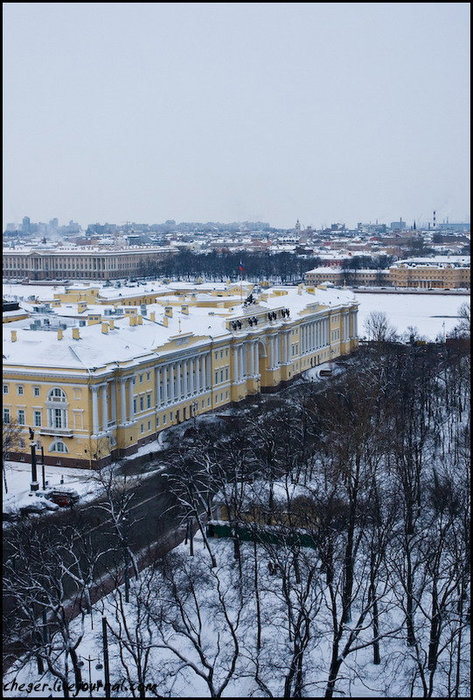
point(326, 112)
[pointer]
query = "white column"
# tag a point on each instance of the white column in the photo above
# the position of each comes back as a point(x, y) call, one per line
point(192, 365)
point(256, 359)
point(286, 348)
point(95, 410)
point(197, 374)
point(123, 399)
point(104, 407)
point(172, 382)
point(113, 401)
point(131, 411)
point(252, 359)
point(208, 370)
point(236, 363)
point(243, 362)
point(185, 367)
point(157, 383)
point(165, 384)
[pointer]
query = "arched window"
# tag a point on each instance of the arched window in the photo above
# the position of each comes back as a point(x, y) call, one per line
point(57, 394)
point(57, 408)
point(58, 446)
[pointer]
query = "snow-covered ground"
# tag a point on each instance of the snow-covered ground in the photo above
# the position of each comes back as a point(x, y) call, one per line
point(427, 312)
point(18, 479)
point(217, 594)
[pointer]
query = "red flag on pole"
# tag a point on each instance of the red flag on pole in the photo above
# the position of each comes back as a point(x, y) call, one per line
point(240, 267)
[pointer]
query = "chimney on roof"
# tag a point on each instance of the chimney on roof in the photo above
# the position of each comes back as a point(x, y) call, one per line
point(165, 321)
point(133, 319)
point(185, 309)
point(152, 316)
point(168, 311)
point(104, 327)
point(75, 334)
point(13, 337)
point(139, 320)
point(59, 334)
point(112, 324)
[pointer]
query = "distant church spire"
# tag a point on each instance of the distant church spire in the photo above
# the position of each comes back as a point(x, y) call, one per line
point(298, 226)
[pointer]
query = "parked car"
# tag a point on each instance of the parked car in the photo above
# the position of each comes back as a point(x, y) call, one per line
point(37, 506)
point(64, 498)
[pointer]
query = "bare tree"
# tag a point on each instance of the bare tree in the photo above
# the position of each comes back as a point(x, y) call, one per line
point(378, 328)
point(11, 437)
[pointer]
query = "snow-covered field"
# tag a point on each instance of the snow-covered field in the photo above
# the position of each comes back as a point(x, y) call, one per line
point(427, 312)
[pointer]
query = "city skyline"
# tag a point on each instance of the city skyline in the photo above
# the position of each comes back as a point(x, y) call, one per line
point(236, 112)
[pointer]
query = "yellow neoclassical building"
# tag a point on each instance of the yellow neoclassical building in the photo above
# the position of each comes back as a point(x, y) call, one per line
point(99, 392)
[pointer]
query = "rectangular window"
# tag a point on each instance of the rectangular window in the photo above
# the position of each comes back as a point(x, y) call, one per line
point(20, 390)
point(157, 421)
point(226, 372)
point(216, 377)
point(170, 415)
point(149, 425)
point(148, 376)
point(5, 388)
point(6, 415)
point(216, 355)
point(221, 353)
point(141, 378)
point(36, 390)
point(37, 419)
point(149, 400)
point(134, 405)
point(57, 418)
point(164, 419)
point(21, 416)
point(221, 375)
point(142, 428)
point(142, 403)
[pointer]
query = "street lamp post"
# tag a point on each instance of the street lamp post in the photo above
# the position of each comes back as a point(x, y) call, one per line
point(43, 469)
point(39, 445)
point(98, 666)
point(106, 662)
point(34, 486)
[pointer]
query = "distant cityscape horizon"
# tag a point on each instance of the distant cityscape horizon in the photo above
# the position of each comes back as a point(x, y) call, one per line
point(245, 225)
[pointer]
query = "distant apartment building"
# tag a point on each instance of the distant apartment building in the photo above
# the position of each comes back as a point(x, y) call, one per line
point(79, 263)
point(441, 272)
point(338, 277)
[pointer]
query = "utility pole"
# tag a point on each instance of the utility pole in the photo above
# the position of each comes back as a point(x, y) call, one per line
point(106, 663)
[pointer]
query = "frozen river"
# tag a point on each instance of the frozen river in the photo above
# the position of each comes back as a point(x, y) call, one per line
point(427, 312)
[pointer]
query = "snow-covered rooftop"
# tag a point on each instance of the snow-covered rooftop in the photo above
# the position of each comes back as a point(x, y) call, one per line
point(126, 342)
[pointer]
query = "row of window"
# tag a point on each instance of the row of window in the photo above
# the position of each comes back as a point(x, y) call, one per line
point(57, 417)
point(221, 354)
point(142, 403)
point(222, 375)
point(54, 394)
